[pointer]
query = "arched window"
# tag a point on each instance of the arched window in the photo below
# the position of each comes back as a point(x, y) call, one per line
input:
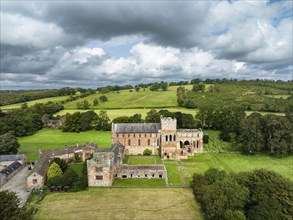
point(170, 137)
point(174, 139)
point(138, 142)
point(166, 137)
point(129, 142)
point(149, 142)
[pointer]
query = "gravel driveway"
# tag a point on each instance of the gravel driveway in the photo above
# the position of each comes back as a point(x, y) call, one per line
point(17, 184)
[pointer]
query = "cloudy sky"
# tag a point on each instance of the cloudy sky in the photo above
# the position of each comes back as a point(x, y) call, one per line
point(52, 44)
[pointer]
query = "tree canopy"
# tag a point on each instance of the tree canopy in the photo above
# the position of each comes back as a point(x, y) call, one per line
point(8, 144)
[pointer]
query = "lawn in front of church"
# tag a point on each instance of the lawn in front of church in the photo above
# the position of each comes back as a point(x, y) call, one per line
point(120, 203)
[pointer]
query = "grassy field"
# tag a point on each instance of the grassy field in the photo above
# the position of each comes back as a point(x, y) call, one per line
point(120, 203)
point(136, 160)
point(30, 103)
point(239, 93)
point(136, 182)
point(114, 113)
point(54, 138)
point(215, 143)
point(126, 99)
point(180, 173)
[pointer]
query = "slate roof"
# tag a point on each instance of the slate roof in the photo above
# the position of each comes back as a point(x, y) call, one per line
point(12, 157)
point(41, 166)
point(11, 168)
point(116, 147)
point(61, 151)
point(136, 127)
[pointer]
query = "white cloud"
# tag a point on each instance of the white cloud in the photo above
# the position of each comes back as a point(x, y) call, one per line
point(18, 30)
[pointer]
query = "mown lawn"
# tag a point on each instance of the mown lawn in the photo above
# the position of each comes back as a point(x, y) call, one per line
point(53, 138)
point(136, 182)
point(230, 162)
point(136, 160)
point(30, 103)
point(120, 203)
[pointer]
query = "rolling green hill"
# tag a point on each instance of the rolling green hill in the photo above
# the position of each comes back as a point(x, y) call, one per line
point(127, 99)
point(30, 103)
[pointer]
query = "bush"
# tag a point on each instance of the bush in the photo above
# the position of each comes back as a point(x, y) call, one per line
point(205, 139)
point(147, 152)
point(104, 98)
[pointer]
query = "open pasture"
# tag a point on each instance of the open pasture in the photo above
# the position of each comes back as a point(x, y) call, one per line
point(53, 138)
point(30, 103)
point(120, 203)
point(126, 99)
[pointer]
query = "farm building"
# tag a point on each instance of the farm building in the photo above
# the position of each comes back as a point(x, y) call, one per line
point(10, 165)
point(36, 179)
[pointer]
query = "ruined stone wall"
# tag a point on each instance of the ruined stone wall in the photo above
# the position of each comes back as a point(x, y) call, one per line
point(136, 143)
point(192, 138)
point(168, 124)
point(149, 171)
point(101, 169)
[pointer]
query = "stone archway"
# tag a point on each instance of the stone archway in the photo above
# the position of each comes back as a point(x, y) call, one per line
point(186, 143)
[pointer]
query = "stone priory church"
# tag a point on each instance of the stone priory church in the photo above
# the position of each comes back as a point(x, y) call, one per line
point(162, 139)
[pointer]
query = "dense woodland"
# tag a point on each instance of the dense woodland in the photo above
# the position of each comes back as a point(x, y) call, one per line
point(12, 97)
point(258, 194)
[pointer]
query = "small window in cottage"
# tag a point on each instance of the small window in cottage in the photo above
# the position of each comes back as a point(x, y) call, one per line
point(160, 176)
point(139, 135)
point(158, 142)
point(133, 135)
point(131, 175)
point(117, 135)
point(149, 142)
point(145, 175)
point(138, 142)
point(144, 135)
point(170, 137)
point(153, 175)
point(99, 177)
point(35, 181)
point(129, 142)
point(166, 137)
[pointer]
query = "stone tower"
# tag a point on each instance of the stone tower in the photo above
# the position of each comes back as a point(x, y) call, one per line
point(168, 138)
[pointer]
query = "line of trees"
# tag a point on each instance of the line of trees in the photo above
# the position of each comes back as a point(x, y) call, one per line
point(258, 194)
point(78, 122)
point(27, 120)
